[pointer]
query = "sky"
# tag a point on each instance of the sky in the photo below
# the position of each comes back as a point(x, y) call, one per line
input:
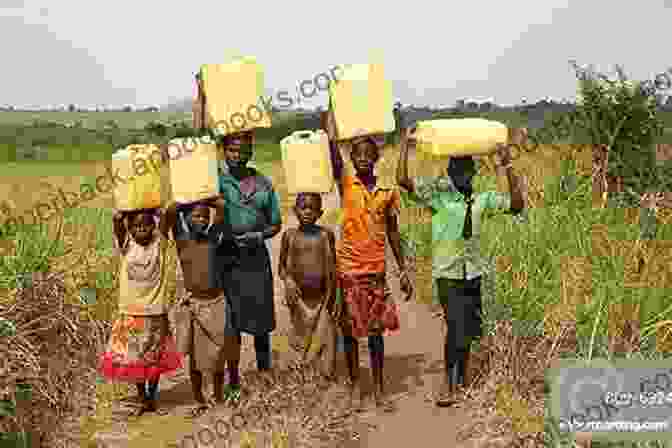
point(145, 53)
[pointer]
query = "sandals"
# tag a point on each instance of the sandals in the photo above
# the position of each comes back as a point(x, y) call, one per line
point(446, 397)
point(383, 403)
point(445, 400)
point(232, 394)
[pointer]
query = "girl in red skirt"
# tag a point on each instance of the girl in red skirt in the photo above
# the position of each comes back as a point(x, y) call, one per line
point(370, 217)
point(141, 346)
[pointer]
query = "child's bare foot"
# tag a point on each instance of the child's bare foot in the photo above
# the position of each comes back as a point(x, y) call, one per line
point(147, 406)
point(382, 401)
point(139, 396)
point(356, 396)
point(200, 409)
point(446, 396)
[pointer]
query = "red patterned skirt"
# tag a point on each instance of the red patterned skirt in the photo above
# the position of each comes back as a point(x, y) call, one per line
point(369, 306)
point(140, 348)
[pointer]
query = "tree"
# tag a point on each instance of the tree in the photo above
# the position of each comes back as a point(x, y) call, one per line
point(621, 119)
point(72, 108)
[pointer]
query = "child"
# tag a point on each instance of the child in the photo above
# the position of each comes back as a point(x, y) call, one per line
point(202, 313)
point(307, 265)
point(370, 216)
point(141, 346)
point(458, 266)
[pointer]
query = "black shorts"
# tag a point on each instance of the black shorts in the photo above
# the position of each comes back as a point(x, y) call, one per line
point(462, 305)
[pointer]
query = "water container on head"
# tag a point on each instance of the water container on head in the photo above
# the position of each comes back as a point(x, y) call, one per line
point(194, 164)
point(233, 93)
point(460, 136)
point(307, 162)
point(148, 185)
point(362, 101)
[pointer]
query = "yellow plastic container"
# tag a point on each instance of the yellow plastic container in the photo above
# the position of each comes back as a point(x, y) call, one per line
point(307, 162)
point(362, 101)
point(148, 183)
point(233, 93)
point(460, 136)
point(193, 167)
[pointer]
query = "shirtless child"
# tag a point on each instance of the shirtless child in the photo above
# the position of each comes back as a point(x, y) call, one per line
point(307, 265)
point(202, 336)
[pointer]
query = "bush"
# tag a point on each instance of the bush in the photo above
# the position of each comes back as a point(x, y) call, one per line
point(622, 117)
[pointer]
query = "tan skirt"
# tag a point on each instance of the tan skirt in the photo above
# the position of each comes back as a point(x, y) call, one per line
point(320, 344)
point(199, 331)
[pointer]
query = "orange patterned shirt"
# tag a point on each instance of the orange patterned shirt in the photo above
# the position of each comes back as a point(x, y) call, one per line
point(361, 249)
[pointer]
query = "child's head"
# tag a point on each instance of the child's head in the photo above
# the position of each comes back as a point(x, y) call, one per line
point(200, 214)
point(365, 153)
point(462, 171)
point(308, 208)
point(238, 148)
point(199, 219)
point(141, 226)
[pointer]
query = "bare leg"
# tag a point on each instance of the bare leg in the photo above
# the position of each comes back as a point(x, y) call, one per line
point(197, 385)
point(448, 388)
point(218, 386)
point(352, 358)
point(142, 394)
point(197, 390)
point(148, 396)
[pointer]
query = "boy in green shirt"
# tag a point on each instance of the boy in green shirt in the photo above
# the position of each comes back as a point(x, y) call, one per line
point(457, 265)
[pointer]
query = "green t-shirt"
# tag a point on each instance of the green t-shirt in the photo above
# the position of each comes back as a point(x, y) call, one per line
point(452, 255)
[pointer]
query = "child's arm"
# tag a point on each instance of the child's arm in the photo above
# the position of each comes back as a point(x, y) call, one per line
point(394, 237)
point(329, 125)
point(331, 269)
point(403, 179)
point(167, 220)
point(282, 261)
point(119, 228)
point(219, 203)
point(292, 293)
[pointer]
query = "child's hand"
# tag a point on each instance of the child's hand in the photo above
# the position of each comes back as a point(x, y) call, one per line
point(292, 292)
point(337, 308)
point(406, 286)
point(249, 239)
point(118, 219)
point(504, 153)
point(337, 311)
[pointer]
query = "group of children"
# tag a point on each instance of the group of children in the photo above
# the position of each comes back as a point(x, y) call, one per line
point(142, 346)
point(326, 288)
point(330, 285)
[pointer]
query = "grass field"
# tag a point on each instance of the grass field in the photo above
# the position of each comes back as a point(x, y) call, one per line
point(127, 120)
